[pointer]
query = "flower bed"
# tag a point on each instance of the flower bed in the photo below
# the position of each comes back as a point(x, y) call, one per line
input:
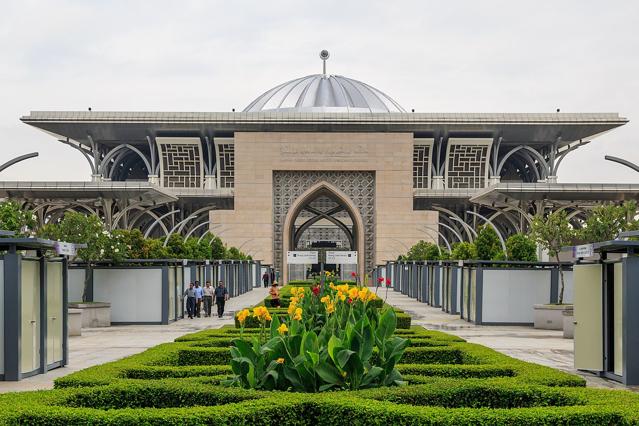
point(403, 319)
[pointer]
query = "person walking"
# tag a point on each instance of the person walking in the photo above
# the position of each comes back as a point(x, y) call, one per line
point(221, 296)
point(265, 279)
point(190, 300)
point(275, 296)
point(208, 298)
point(199, 294)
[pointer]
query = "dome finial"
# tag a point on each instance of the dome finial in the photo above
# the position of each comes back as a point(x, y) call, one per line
point(324, 55)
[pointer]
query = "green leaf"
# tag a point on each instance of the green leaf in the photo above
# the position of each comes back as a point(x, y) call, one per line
point(309, 343)
point(326, 387)
point(393, 378)
point(314, 356)
point(368, 342)
point(370, 376)
point(275, 323)
point(293, 377)
point(343, 357)
point(333, 344)
point(329, 374)
point(245, 350)
point(250, 376)
point(387, 324)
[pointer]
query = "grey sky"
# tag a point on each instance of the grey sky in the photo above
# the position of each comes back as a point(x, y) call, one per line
point(471, 56)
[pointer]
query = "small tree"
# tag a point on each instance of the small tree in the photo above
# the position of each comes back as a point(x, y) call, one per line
point(488, 244)
point(463, 251)
point(175, 246)
point(606, 221)
point(14, 218)
point(133, 240)
point(218, 251)
point(81, 229)
point(154, 249)
point(233, 253)
point(522, 248)
point(423, 251)
point(196, 249)
point(552, 233)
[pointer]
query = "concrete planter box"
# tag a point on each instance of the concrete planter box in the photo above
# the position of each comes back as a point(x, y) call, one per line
point(549, 317)
point(569, 323)
point(75, 322)
point(94, 314)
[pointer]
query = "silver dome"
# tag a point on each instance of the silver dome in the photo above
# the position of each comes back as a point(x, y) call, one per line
point(324, 93)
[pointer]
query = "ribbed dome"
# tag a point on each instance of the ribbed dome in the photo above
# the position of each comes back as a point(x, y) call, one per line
point(324, 93)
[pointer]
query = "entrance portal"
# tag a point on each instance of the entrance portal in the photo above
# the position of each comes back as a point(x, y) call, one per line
point(323, 223)
point(323, 218)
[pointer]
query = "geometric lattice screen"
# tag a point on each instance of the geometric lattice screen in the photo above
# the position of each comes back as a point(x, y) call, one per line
point(226, 162)
point(180, 162)
point(466, 163)
point(422, 153)
point(358, 186)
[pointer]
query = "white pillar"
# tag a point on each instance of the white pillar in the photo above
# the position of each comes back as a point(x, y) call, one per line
point(210, 182)
point(438, 182)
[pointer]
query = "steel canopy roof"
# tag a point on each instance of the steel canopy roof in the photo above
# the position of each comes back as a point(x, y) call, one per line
point(133, 127)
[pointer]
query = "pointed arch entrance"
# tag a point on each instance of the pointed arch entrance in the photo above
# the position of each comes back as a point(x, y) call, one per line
point(340, 213)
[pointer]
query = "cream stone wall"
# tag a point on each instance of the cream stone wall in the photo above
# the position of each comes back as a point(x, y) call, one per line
point(250, 225)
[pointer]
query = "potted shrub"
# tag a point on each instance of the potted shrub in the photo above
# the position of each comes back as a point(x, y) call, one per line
point(100, 244)
point(552, 233)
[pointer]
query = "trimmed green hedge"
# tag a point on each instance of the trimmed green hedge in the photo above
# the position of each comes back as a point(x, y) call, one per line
point(450, 402)
point(449, 380)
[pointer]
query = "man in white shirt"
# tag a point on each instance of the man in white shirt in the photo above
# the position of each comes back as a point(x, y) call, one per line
point(208, 298)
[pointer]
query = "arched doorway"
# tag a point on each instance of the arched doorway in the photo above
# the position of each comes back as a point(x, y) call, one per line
point(323, 218)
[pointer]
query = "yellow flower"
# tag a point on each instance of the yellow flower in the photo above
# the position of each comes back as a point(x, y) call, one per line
point(280, 360)
point(282, 329)
point(294, 300)
point(341, 296)
point(371, 296)
point(330, 308)
point(261, 313)
point(291, 308)
point(352, 293)
point(298, 314)
point(242, 315)
point(363, 294)
point(331, 286)
point(325, 299)
point(294, 291)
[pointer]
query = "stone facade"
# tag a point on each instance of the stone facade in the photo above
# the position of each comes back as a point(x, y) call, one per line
point(387, 156)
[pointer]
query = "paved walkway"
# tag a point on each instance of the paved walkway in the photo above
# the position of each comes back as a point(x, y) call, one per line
point(545, 347)
point(102, 345)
